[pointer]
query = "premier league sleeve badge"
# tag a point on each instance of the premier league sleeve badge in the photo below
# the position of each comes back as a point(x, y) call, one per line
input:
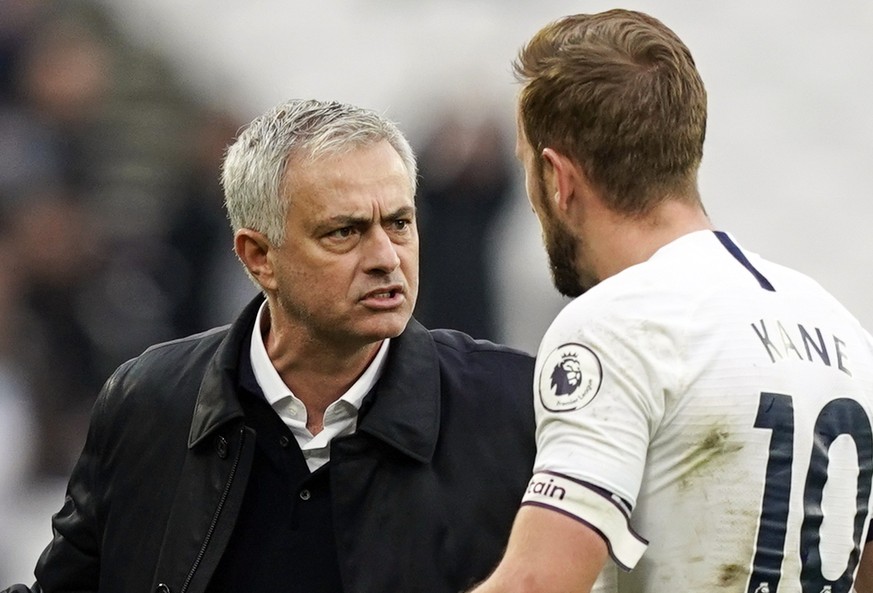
point(569, 378)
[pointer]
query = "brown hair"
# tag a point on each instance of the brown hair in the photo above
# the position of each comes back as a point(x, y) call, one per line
point(618, 93)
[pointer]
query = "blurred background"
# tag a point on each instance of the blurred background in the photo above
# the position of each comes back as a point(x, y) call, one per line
point(114, 116)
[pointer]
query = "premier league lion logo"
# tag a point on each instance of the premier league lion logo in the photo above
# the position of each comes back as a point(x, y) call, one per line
point(570, 377)
point(566, 376)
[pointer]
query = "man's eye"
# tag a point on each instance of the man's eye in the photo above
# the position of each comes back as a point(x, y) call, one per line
point(343, 232)
point(401, 224)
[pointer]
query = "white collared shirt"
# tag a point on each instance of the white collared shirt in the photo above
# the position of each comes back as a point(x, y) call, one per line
point(340, 417)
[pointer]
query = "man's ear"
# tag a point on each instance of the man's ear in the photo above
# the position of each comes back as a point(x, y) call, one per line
point(253, 248)
point(565, 179)
point(573, 190)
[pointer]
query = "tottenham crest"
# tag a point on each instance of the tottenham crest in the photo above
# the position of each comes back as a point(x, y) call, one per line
point(569, 379)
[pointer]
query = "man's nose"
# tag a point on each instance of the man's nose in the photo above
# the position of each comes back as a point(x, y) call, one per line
point(380, 251)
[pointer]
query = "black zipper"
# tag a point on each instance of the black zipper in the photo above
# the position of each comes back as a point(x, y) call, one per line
point(217, 514)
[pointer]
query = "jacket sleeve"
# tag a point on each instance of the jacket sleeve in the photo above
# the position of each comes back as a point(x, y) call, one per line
point(71, 562)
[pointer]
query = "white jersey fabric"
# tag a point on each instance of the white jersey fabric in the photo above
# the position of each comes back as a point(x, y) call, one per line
point(716, 406)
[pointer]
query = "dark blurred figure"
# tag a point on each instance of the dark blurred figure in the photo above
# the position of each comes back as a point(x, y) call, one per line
point(16, 23)
point(110, 206)
point(55, 261)
point(199, 230)
point(62, 79)
point(466, 178)
point(57, 67)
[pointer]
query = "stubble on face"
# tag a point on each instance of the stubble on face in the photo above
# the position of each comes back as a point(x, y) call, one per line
point(561, 246)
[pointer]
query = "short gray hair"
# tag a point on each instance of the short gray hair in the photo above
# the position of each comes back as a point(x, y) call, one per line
point(255, 163)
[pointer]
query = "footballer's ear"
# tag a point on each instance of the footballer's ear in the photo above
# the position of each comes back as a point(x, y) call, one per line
point(253, 250)
point(573, 189)
point(564, 175)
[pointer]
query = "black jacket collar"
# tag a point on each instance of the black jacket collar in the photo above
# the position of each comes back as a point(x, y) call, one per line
point(402, 409)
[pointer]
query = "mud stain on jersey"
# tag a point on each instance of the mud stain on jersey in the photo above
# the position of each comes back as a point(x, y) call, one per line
point(713, 449)
point(730, 574)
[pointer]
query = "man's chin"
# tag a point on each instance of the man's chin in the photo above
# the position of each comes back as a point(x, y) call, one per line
point(385, 325)
point(567, 284)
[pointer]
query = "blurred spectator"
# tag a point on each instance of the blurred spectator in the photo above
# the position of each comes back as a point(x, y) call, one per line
point(60, 84)
point(112, 213)
point(54, 264)
point(466, 180)
point(200, 233)
point(16, 21)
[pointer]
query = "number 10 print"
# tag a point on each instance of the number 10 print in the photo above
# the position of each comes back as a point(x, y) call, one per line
point(839, 417)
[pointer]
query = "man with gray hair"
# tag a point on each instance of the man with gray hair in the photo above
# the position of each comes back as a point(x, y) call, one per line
point(325, 441)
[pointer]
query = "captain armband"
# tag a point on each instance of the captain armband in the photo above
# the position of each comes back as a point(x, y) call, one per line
point(592, 506)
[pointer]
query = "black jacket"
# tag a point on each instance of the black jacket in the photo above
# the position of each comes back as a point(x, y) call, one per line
point(425, 491)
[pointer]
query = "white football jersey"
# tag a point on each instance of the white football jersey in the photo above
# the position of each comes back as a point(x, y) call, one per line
point(709, 413)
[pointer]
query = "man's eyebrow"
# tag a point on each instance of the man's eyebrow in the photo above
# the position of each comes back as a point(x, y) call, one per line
point(346, 220)
point(343, 220)
point(402, 212)
point(339, 221)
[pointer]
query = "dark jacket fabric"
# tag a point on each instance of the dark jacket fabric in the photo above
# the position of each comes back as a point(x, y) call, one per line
point(423, 493)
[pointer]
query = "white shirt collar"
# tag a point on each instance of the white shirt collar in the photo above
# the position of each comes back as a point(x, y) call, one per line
point(292, 411)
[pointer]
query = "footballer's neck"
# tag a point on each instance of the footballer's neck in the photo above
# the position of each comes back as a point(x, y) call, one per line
point(616, 241)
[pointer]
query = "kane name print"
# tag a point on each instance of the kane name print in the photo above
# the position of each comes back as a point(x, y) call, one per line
point(795, 341)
